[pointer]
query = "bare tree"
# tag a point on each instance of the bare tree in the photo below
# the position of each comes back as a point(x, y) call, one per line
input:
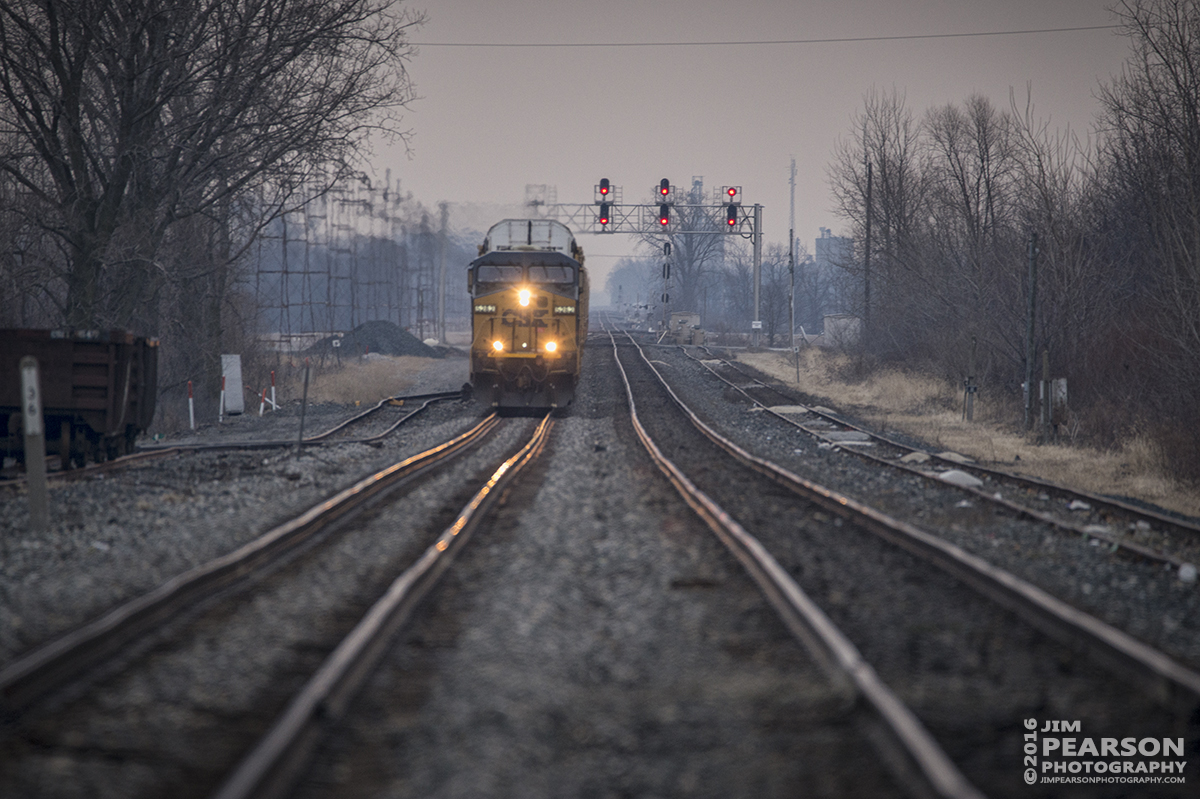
point(1152, 149)
point(887, 148)
point(122, 117)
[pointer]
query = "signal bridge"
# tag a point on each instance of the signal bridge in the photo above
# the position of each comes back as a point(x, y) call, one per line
point(607, 214)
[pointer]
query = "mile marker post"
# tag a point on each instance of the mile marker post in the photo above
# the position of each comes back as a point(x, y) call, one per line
point(35, 446)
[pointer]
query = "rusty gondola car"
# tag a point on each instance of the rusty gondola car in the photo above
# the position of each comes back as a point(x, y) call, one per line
point(529, 292)
point(98, 391)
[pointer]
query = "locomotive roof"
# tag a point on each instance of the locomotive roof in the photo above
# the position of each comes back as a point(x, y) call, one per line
point(534, 234)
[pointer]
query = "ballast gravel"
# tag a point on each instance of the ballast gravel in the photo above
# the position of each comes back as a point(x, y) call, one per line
point(595, 642)
point(1139, 597)
point(119, 534)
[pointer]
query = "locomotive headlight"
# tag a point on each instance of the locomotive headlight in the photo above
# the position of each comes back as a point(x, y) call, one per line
point(498, 345)
point(523, 296)
point(551, 346)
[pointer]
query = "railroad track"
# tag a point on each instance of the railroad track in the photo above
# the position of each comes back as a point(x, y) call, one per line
point(384, 418)
point(83, 652)
point(284, 753)
point(980, 624)
point(42, 691)
point(1139, 532)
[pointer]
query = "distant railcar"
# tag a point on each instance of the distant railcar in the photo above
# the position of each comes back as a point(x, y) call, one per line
point(529, 292)
point(98, 390)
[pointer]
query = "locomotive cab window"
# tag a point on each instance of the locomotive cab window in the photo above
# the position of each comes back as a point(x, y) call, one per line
point(552, 274)
point(498, 274)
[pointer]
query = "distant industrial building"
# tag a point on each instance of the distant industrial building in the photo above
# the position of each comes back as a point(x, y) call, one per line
point(819, 281)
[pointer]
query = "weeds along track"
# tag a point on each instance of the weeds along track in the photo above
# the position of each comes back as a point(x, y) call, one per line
point(1139, 532)
point(953, 658)
point(213, 654)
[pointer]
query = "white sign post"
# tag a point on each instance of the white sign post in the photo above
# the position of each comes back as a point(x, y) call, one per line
point(35, 446)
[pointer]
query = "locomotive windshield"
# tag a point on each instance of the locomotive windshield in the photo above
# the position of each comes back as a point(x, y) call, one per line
point(499, 274)
point(551, 274)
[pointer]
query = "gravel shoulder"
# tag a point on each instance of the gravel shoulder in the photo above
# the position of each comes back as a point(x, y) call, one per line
point(116, 535)
point(1141, 598)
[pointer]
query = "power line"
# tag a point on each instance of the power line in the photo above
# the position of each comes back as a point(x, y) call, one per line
point(747, 43)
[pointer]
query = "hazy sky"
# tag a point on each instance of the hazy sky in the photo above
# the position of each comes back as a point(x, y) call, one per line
point(491, 120)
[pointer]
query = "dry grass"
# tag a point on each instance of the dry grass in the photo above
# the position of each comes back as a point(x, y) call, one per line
point(363, 382)
point(931, 410)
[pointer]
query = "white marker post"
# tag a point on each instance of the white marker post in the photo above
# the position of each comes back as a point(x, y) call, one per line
point(274, 407)
point(191, 407)
point(221, 407)
point(35, 446)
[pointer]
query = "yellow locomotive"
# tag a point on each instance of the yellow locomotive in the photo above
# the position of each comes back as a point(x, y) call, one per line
point(529, 297)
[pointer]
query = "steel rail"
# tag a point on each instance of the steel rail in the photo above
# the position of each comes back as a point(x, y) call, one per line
point(1085, 531)
point(429, 399)
point(98, 468)
point(1180, 525)
point(1163, 678)
point(52, 665)
point(434, 397)
point(808, 622)
point(273, 766)
point(152, 451)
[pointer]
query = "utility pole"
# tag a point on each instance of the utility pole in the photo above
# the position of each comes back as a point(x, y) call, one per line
point(441, 308)
point(1030, 318)
point(792, 206)
point(867, 264)
point(756, 325)
point(792, 295)
point(792, 267)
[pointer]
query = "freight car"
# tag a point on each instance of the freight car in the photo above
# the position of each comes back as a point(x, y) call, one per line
point(529, 296)
point(98, 390)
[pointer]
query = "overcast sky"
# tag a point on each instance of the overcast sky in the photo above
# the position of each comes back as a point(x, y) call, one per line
point(491, 120)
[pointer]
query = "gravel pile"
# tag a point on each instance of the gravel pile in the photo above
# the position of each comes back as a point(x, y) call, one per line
point(384, 338)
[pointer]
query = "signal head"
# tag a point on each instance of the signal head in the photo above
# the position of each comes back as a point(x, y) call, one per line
point(604, 217)
point(664, 215)
point(731, 214)
point(664, 187)
point(605, 187)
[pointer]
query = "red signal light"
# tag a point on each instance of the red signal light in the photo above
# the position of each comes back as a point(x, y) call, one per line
point(604, 218)
point(604, 187)
point(664, 187)
point(664, 215)
point(731, 191)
